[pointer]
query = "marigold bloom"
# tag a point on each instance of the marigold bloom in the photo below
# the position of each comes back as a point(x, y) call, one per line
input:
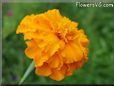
point(54, 43)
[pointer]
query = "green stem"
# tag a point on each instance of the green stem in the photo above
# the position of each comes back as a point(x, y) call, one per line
point(28, 71)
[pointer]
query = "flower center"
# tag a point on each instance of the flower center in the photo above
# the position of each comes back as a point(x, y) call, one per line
point(66, 37)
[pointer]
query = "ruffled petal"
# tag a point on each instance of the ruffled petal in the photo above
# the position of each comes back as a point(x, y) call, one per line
point(54, 16)
point(52, 44)
point(83, 39)
point(31, 48)
point(57, 75)
point(39, 60)
point(43, 70)
point(55, 61)
point(71, 53)
point(26, 25)
point(74, 66)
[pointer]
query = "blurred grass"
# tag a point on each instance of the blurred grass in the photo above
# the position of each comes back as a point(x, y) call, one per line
point(97, 24)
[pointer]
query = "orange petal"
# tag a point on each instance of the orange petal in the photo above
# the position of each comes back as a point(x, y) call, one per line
point(64, 69)
point(83, 39)
point(30, 35)
point(42, 23)
point(54, 48)
point(53, 44)
point(31, 48)
point(73, 66)
point(40, 60)
point(34, 52)
point(55, 61)
point(43, 70)
point(85, 50)
point(53, 15)
point(57, 75)
point(26, 25)
point(71, 53)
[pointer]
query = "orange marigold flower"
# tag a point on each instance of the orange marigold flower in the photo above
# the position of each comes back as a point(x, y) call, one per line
point(54, 43)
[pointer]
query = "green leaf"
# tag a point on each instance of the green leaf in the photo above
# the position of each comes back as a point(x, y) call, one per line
point(28, 71)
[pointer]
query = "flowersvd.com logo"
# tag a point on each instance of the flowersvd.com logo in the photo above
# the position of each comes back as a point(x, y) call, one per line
point(96, 4)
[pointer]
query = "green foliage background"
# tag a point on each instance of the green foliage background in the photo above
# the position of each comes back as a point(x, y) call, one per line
point(98, 24)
